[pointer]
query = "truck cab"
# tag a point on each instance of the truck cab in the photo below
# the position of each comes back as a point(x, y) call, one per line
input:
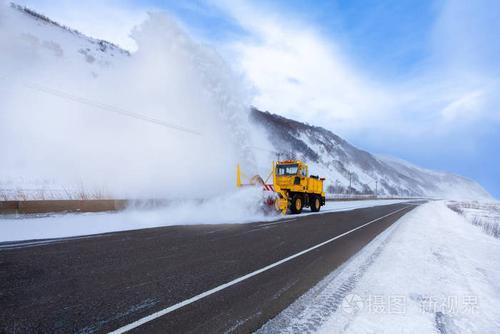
point(293, 182)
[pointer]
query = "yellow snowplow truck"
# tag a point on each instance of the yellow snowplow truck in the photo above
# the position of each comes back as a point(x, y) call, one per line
point(292, 188)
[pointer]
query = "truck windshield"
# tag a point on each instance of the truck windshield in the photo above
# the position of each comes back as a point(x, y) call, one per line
point(287, 169)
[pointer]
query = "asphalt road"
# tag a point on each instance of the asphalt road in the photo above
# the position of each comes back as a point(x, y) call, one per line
point(102, 283)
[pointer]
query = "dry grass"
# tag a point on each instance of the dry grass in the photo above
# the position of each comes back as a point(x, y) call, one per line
point(42, 194)
point(486, 216)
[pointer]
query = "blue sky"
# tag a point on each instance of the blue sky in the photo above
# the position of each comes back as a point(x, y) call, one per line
point(415, 79)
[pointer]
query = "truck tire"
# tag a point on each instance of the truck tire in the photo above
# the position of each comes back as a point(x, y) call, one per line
point(315, 203)
point(297, 204)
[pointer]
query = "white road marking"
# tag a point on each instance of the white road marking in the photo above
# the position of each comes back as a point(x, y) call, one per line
point(191, 300)
point(278, 222)
point(8, 245)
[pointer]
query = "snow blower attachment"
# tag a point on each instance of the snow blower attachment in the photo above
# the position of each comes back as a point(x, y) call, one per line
point(292, 188)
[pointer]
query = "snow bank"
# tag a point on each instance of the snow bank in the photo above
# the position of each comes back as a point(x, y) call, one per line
point(432, 272)
point(241, 206)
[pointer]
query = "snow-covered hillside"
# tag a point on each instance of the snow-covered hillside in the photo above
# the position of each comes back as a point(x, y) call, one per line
point(48, 40)
point(329, 155)
point(343, 164)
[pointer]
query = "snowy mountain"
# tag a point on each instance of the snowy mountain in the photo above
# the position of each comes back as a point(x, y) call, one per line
point(332, 157)
point(343, 164)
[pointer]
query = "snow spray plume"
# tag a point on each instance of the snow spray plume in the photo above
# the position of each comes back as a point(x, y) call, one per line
point(61, 96)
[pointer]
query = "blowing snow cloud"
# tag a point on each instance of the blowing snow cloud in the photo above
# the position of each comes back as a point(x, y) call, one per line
point(64, 101)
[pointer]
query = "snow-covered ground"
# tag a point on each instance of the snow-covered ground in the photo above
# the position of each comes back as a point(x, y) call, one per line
point(432, 272)
point(238, 207)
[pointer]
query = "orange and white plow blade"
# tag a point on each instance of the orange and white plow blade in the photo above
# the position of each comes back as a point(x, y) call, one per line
point(272, 198)
point(273, 201)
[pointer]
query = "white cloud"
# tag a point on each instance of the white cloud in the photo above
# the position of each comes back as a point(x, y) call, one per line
point(464, 107)
point(300, 73)
point(466, 44)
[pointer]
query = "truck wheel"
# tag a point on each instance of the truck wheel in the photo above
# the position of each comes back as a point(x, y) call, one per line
point(315, 203)
point(297, 204)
